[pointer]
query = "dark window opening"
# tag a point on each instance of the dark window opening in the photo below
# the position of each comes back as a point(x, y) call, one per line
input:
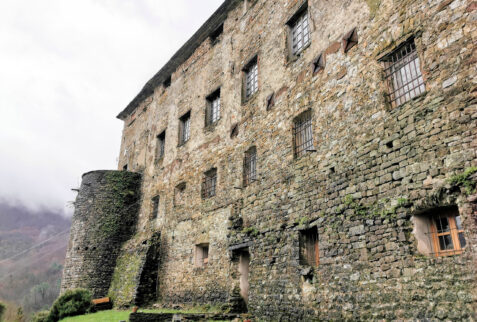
point(250, 166)
point(167, 82)
point(161, 144)
point(350, 40)
point(201, 255)
point(251, 78)
point(403, 74)
point(155, 207)
point(215, 35)
point(270, 101)
point(303, 134)
point(309, 250)
point(299, 31)
point(234, 131)
point(125, 167)
point(209, 183)
point(318, 63)
point(184, 128)
point(212, 113)
point(390, 144)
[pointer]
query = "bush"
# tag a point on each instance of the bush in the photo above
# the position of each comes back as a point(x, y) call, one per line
point(73, 302)
point(3, 308)
point(43, 316)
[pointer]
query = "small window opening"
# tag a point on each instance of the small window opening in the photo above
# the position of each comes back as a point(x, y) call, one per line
point(250, 166)
point(155, 207)
point(318, 63)
point(251, 77)
point(303, 134)
point(201, 255)
point(212, 112)
point(350, 40)
point(234, 131)
point(161, 144)
point(299, 30)
point(184, 128)
point(309, 251)
point(215, 35)
point(125, 167)
point(179, 193)
point(270, 101)
point(403, 73)
point(439, 232)
point(167, 82)
point(390, 144)
point(209, 183)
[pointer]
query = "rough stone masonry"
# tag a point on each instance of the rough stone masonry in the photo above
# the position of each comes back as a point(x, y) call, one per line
point(304, 160)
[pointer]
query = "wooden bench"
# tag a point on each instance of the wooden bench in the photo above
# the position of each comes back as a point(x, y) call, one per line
point(103, 303)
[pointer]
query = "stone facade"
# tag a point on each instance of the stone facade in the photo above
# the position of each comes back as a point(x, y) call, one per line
point(372, 170)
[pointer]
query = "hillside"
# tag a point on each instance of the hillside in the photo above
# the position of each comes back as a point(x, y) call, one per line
point(32, 251)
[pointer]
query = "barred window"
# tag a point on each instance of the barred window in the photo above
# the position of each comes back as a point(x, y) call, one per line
point(302, 134)
point(250, 166)
point(299, 31)
point(161, 144)
point(309, 250)
point(403, 74)
point(155, 207)
point(251, 78)
point(201, 255)
point(212, 113)
point(184, 128)
point(209, 183)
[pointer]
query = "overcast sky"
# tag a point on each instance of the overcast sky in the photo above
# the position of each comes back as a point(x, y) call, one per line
point(67, 68)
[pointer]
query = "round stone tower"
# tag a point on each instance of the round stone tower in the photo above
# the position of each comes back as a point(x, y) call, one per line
point(106, 211)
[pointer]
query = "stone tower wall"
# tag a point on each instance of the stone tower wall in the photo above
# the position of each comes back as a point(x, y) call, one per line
point(105, 217)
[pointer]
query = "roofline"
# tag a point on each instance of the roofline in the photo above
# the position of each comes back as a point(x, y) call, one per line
point(217, 18)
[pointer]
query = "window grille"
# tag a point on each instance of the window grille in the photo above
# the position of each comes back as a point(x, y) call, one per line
point(161, 144)
point(209, 183)
point(403, 74)
point(213, 108)
point(303, 134)
point(201, 255)
point(251, 79)
point(155, 206)
point(299, 32)
point(184, 128)
point(309, 250)
point(250, 166)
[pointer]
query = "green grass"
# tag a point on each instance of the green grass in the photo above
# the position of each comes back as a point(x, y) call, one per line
point(103, 316)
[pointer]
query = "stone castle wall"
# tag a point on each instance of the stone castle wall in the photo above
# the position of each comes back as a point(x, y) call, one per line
point(105, 217)
point(375, 167)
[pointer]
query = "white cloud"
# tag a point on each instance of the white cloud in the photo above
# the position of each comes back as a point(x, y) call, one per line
point(67, 68)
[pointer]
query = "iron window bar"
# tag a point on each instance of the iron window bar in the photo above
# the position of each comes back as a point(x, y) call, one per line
point(184, 134)
point(403, 74)
point(250, 167)
point(213, 108)
point(300, 33)
point(251, 79)
point(303, 134)
point(209, 184)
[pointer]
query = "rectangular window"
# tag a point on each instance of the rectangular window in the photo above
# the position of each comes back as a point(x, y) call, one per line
point(447, 232)
point(251, 78)
point(179, 194)
point(309, 251)
point(155, 207)
point(201, 255)
point(403, 74)
point(302, 134)
point(184, 128)
point(209, 183)
point(299, 31)
point(250, 166)
point(212, 113)
point(161, 144)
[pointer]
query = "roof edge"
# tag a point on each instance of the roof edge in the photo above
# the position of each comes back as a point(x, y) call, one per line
point(217, 18)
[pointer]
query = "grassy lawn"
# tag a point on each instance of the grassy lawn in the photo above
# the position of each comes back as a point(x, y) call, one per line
point(103, 316)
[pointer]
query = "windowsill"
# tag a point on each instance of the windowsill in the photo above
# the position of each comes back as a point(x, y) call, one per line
point(247, 100)
point(412, 100)
point(292, 58)
point(182, 144)
point(211, 127)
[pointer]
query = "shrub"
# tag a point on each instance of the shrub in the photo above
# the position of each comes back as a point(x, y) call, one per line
point(72, 302)
point(3, 308)
point(42, 316)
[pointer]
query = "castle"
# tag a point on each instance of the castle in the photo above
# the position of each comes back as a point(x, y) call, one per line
point(300, 160)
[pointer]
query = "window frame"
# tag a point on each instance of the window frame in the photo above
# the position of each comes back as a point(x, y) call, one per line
point(184, 128)
point(397, 63)
point(161, 145)
point(303, 128)
point(292, 23)
point(213, 101)
point(179, 191)
point(453, 232)
point(250, 79)
point(202, 255)
point(209, 184)
point(309, 248)
point(250, 166)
